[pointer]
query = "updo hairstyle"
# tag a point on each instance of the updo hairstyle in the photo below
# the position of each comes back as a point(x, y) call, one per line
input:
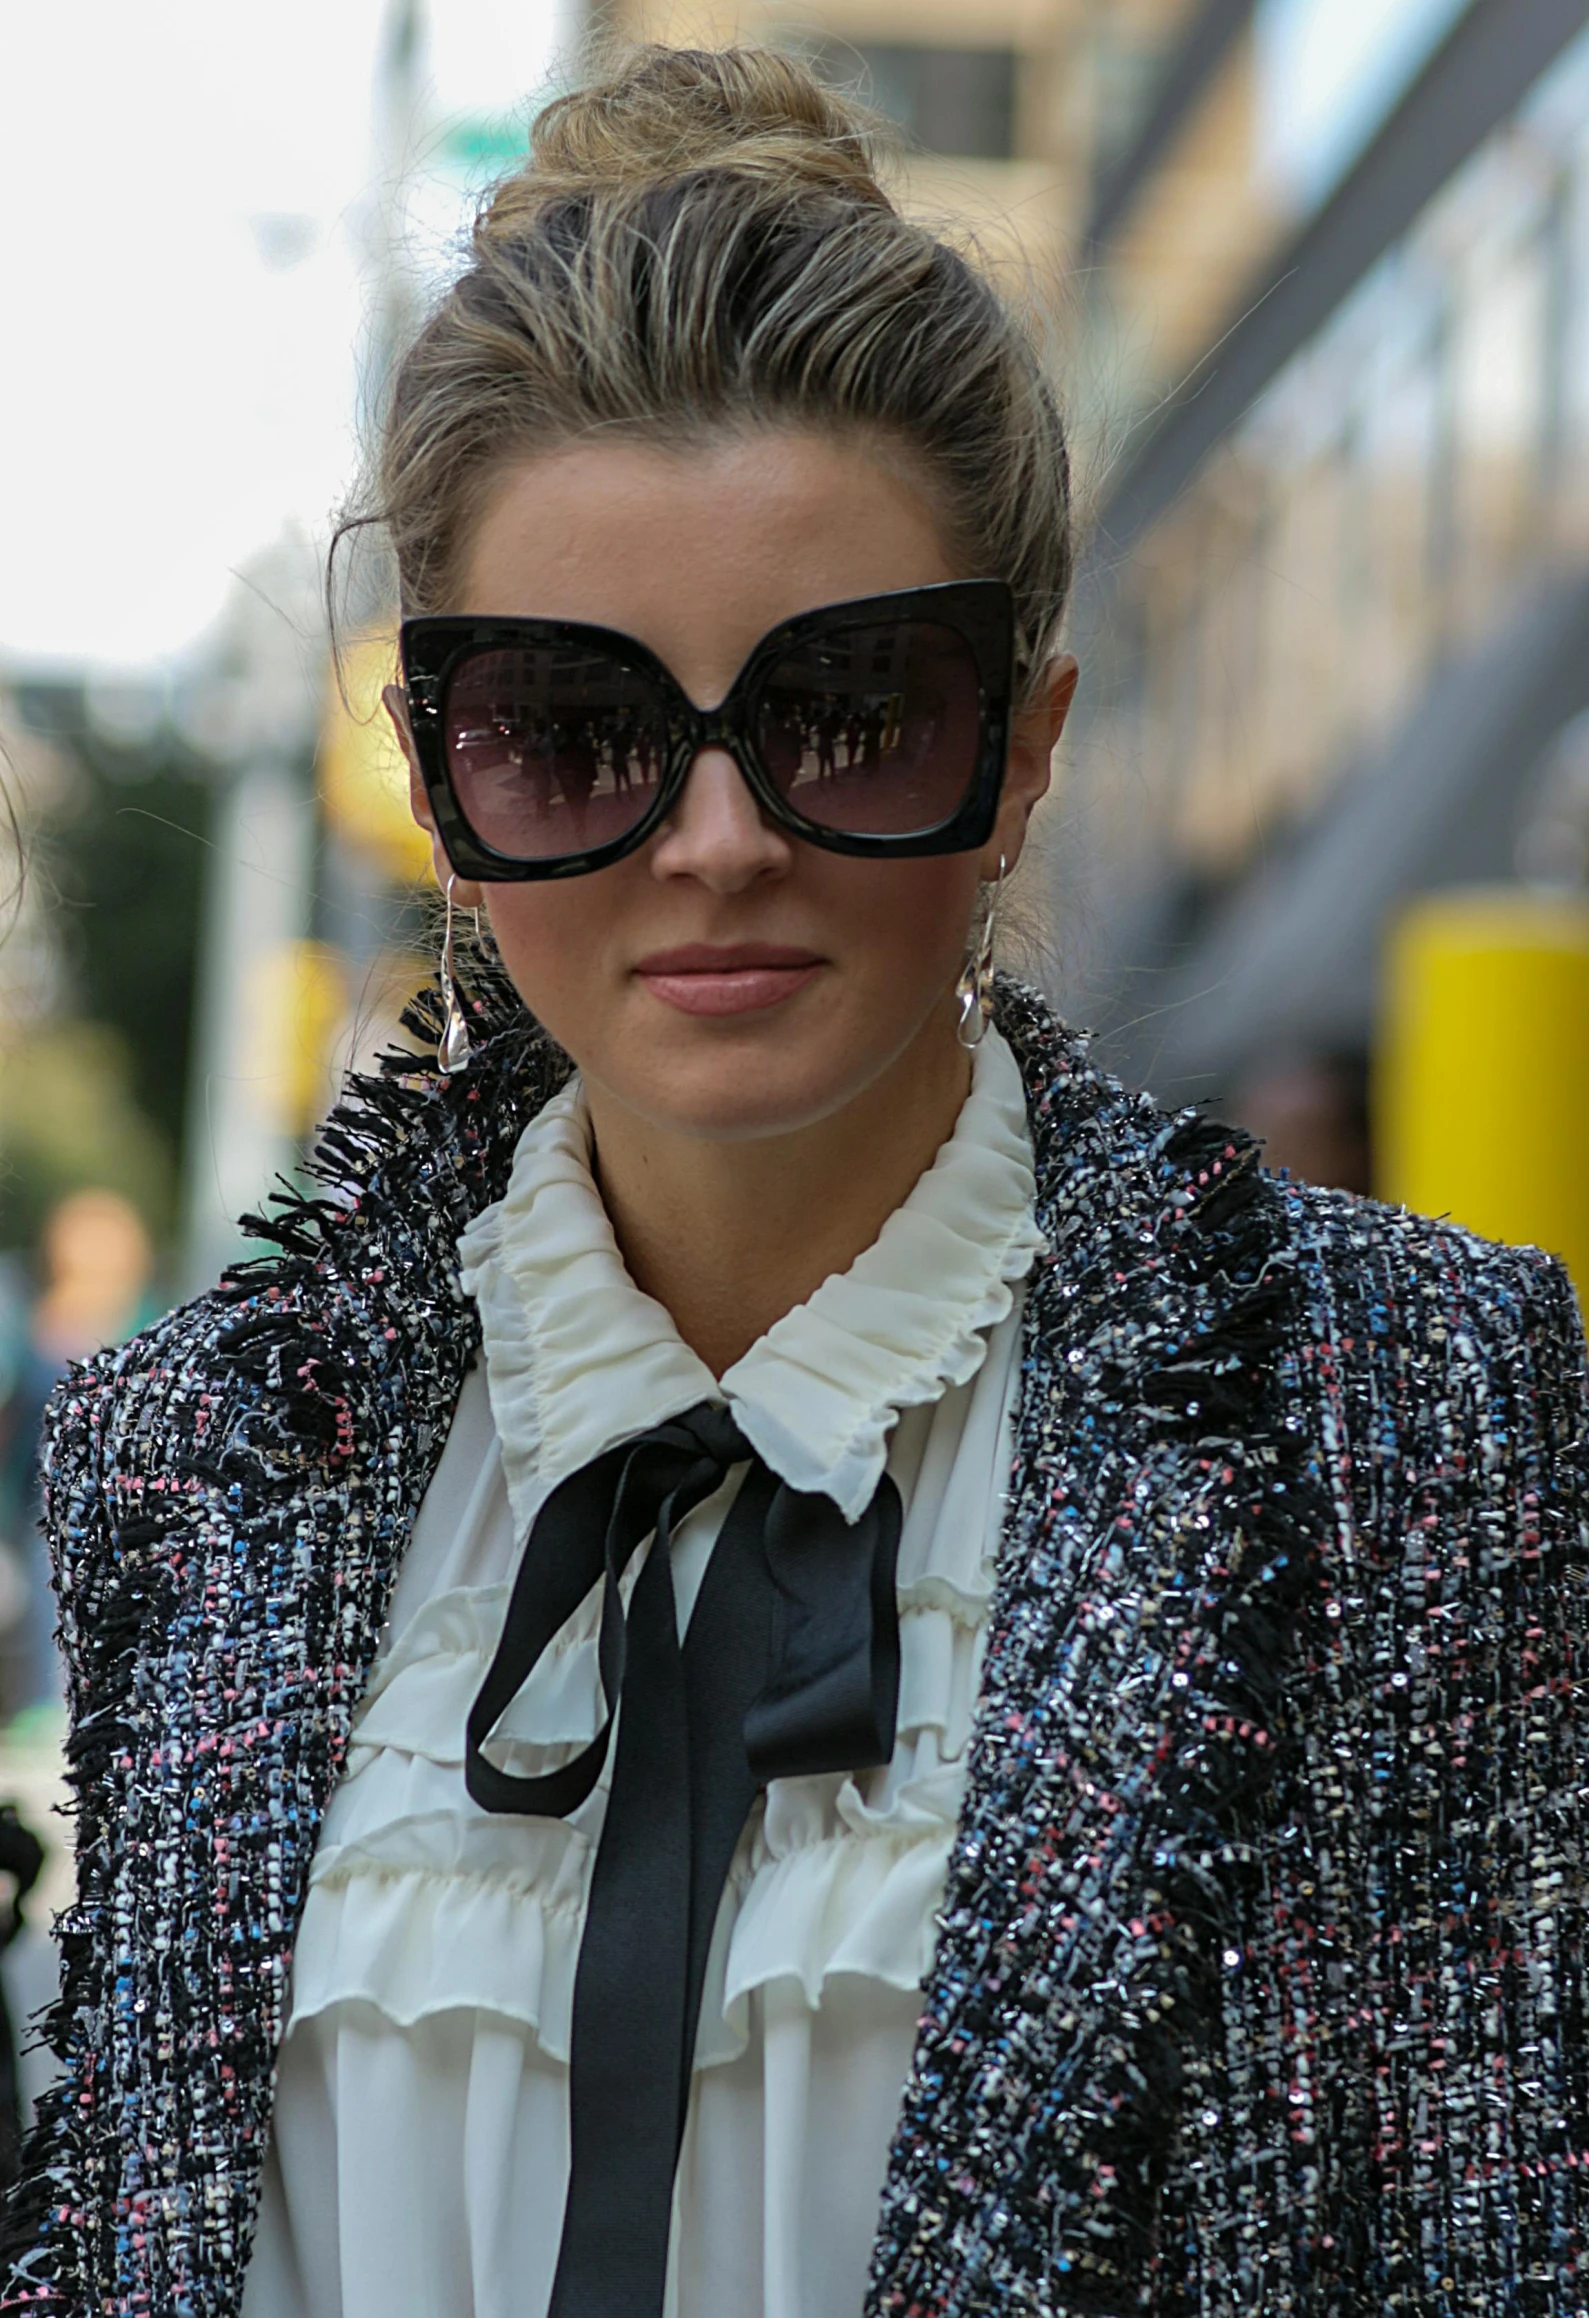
point(699, 244)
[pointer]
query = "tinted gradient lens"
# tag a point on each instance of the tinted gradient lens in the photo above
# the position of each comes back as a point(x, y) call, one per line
point(553, 750)
point(873, 731)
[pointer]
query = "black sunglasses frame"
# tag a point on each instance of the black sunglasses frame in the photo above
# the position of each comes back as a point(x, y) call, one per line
point(981, 613)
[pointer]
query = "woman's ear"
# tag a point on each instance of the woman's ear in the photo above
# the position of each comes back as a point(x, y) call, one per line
point(466, 892)
point(1034, 736)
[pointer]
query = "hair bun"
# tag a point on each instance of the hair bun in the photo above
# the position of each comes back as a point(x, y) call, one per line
point(661, 113)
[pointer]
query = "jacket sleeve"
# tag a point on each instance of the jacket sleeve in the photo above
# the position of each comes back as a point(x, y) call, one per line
point(1398, 2089)
point(75, 1525)
point(1466, 1408)
point(97, 1546)
point(1462, 1601)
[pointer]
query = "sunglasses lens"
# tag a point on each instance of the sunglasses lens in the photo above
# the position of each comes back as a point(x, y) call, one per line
point(874, 731)
point(553, 750)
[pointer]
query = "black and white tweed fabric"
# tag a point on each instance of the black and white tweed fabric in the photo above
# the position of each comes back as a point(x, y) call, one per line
point(1261, 1981)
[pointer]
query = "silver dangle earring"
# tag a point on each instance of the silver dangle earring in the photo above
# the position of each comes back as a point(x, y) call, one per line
point(975, 986)
point(453, 1052)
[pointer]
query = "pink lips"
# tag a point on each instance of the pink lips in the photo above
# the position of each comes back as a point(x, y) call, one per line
point(741, 979)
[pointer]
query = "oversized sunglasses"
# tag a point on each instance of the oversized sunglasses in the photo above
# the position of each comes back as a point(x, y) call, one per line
point(549, 748)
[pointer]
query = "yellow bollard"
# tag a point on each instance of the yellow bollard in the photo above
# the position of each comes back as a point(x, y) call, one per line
point(298, 1004)
point(1481, 1078)
point(362, 772)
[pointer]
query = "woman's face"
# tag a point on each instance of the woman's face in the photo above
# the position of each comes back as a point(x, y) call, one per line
point(729, 980)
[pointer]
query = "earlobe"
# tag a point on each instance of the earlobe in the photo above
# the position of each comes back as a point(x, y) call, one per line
point(1036, 734)
point(466, 892)
point(1040, 729)
point(1033, 740)
point(396, 707)
point(1063, 676)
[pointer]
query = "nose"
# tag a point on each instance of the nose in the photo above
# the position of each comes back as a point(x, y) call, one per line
point(717, 833)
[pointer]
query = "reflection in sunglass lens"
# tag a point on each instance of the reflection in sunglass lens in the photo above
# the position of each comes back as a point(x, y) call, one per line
point(553, 750)
point(873, 731)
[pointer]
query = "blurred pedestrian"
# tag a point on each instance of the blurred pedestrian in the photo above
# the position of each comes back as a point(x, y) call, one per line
point(1097, 1636)
point(96, 1266)
point(1309, 1110)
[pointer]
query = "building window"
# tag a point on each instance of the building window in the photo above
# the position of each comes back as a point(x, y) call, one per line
point(1127, 61)
point(958, 101)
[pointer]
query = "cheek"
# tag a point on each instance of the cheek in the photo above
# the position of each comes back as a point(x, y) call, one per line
point(554, 938)
point(908, 919)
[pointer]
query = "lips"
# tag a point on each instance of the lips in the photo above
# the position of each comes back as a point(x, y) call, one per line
point(737, 978)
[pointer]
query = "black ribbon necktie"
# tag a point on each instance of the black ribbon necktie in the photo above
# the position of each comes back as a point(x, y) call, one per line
point(790, 1667)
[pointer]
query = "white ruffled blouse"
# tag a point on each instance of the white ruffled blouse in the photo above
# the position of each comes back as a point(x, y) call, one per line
point(420, 2145)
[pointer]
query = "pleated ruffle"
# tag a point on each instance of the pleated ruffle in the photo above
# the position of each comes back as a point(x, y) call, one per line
point(419, 1906)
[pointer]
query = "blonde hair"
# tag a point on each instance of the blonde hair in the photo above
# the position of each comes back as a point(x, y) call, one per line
point(698, 243)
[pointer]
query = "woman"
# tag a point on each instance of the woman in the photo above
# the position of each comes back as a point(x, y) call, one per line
point(1095, 1820)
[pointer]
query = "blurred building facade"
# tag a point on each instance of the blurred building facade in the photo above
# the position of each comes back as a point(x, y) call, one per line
point(1335, 612)
point(1315, 284)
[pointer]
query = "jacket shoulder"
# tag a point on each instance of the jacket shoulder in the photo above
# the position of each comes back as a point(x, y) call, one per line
point(1347, 1229)
point(203, 1410)
point(353, 1315)
point(1391, 1274)
point(1454, 1361)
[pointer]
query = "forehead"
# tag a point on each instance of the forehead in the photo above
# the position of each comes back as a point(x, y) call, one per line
point(699, 551)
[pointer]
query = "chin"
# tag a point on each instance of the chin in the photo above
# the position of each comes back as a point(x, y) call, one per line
point(740, 1098)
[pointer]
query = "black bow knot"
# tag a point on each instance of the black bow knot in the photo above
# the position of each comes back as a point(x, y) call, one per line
point(790, 1667)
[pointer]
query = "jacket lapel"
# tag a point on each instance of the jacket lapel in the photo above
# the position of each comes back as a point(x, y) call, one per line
point(1164, 1515)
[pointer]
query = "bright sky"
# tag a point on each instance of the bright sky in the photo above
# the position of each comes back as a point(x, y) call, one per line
point(1330, 70)
point(189, 199)
point(188, 203)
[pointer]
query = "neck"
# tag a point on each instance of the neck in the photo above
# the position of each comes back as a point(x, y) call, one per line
point(729, 1236)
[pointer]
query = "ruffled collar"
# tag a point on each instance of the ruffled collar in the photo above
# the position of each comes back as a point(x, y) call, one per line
point(577, 1357)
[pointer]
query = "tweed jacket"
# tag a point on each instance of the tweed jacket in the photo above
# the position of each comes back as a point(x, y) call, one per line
point(1260, 1981)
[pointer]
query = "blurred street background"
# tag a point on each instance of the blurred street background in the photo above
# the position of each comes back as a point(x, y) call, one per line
point(1313, 276)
